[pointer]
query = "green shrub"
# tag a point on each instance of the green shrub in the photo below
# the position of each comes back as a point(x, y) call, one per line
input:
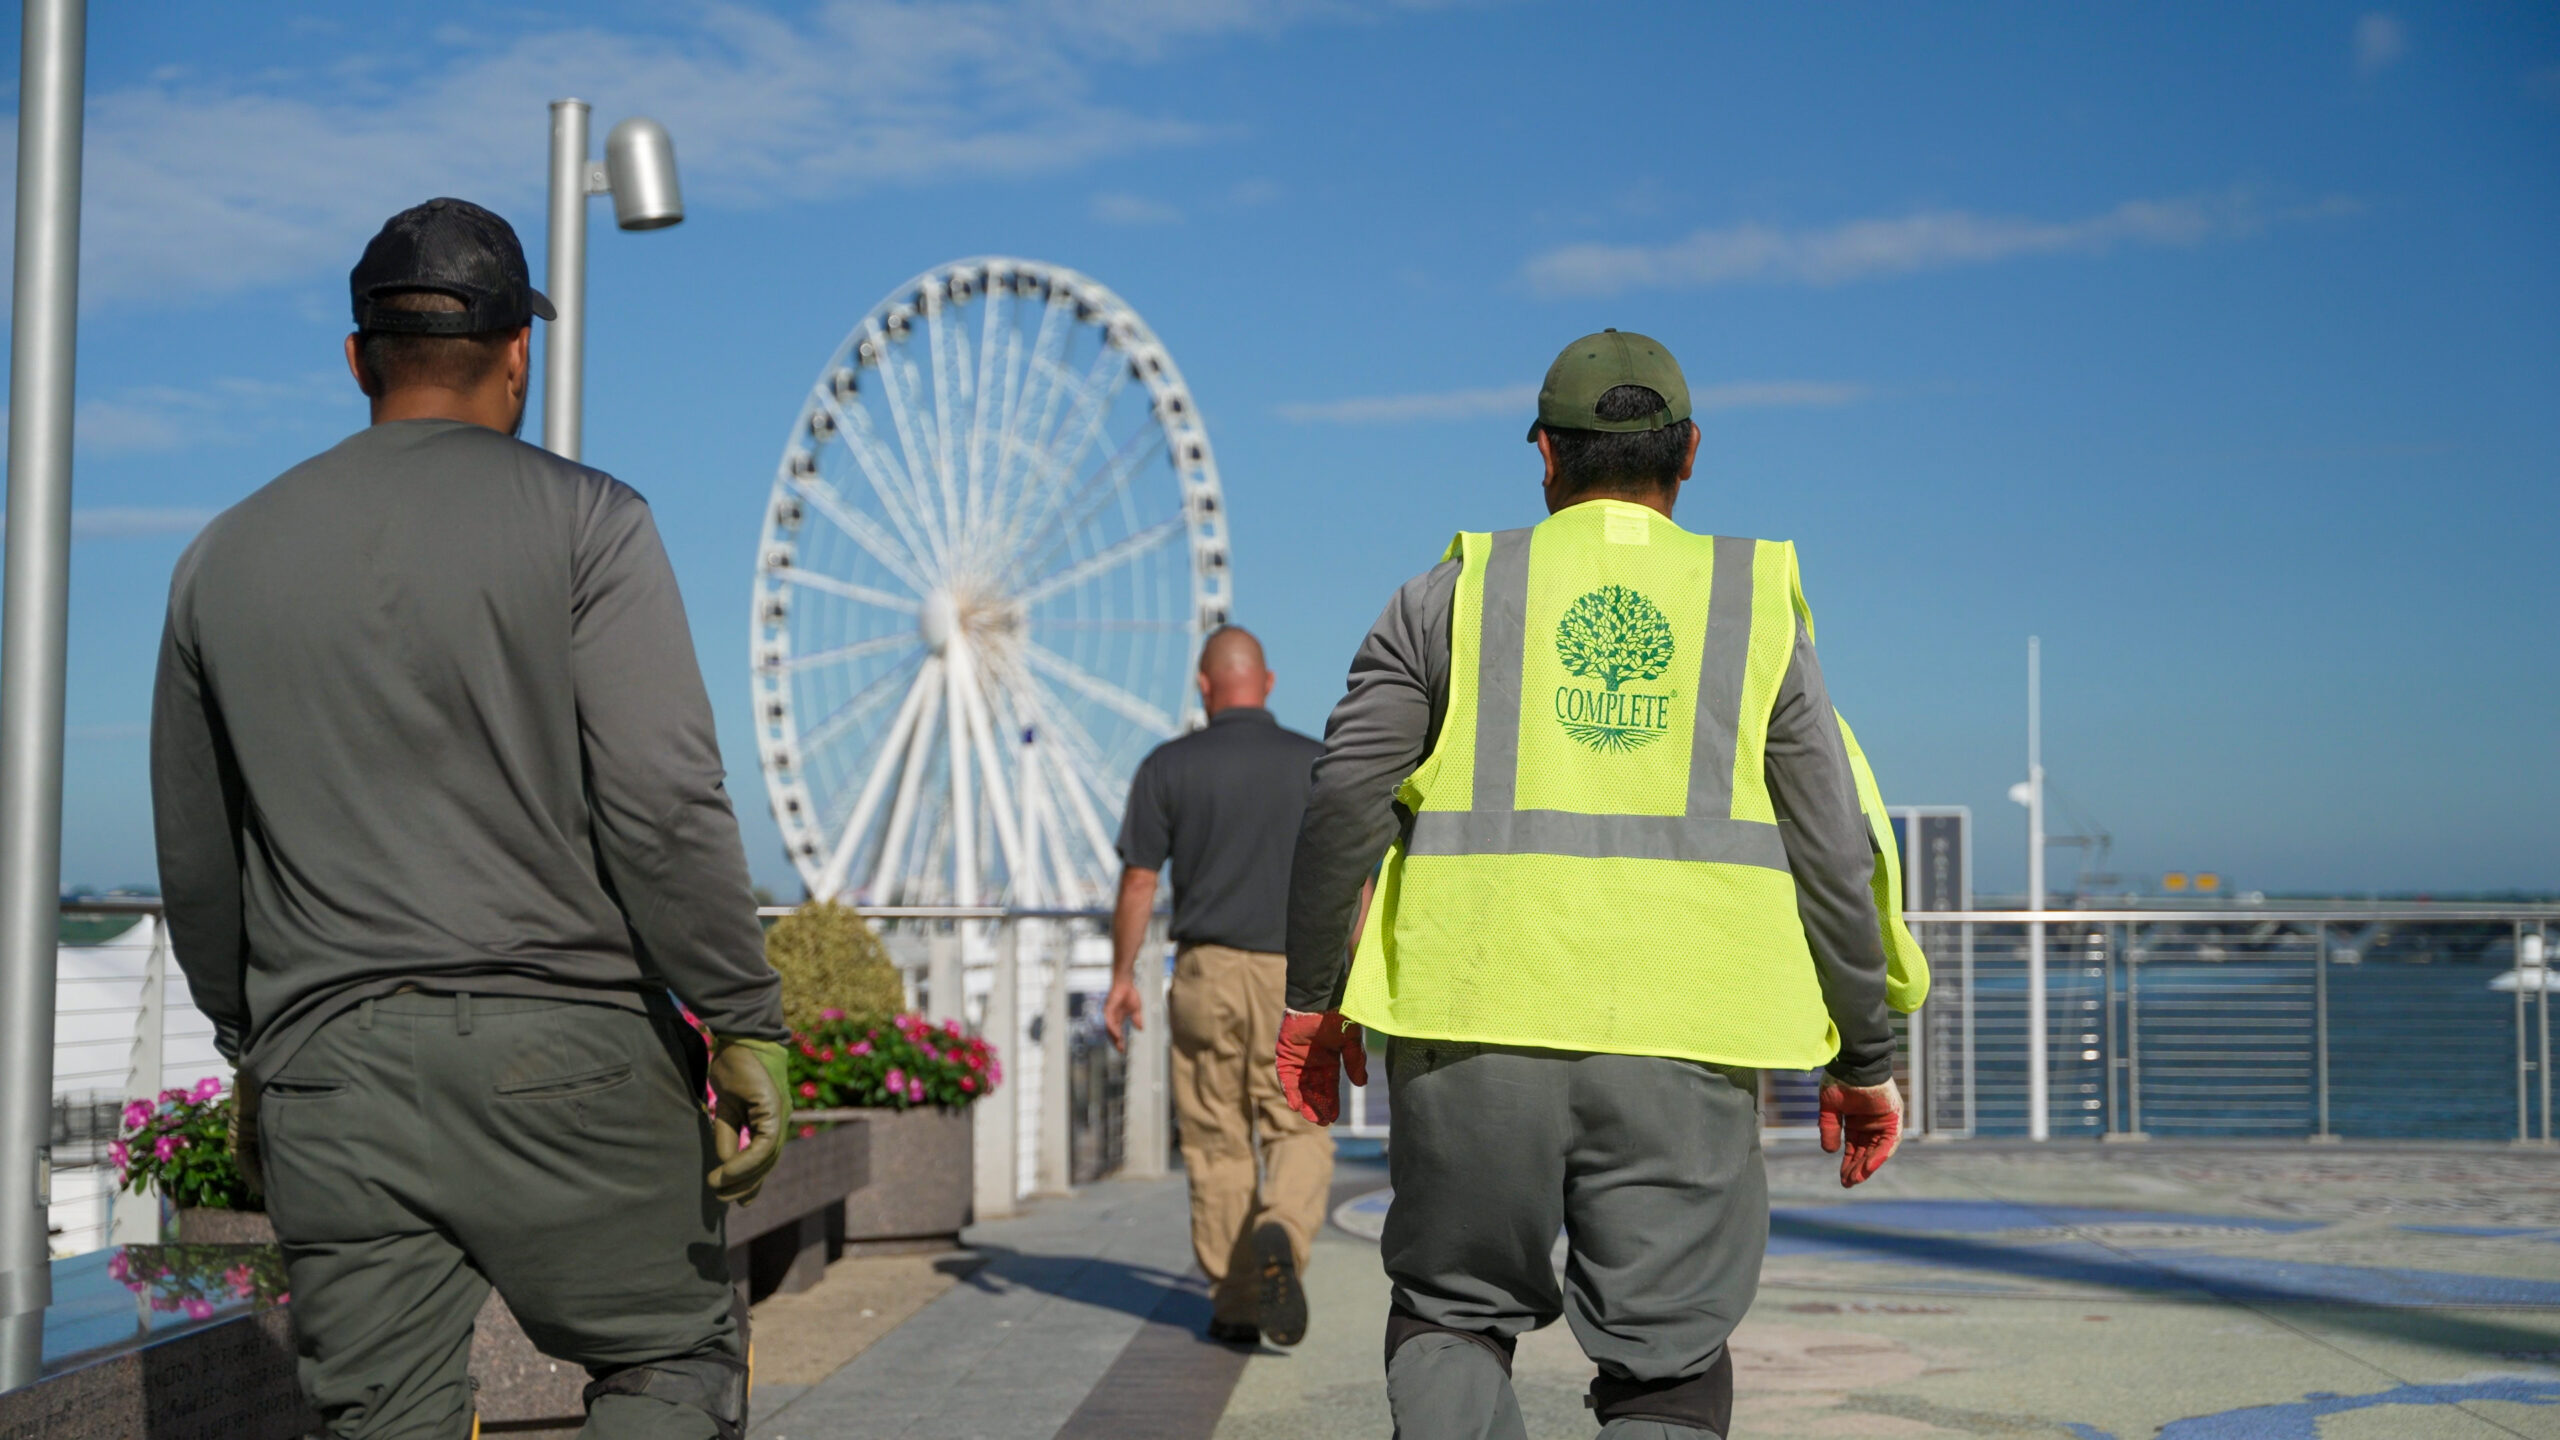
point(830, 960)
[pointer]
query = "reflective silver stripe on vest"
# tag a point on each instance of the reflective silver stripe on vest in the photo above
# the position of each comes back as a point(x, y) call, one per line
point(1502, 640)
point(1597, 837)
point(1707, 833)
point(1722, 664)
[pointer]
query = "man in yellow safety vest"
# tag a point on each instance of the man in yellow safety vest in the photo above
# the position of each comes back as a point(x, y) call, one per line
point(1633, 856)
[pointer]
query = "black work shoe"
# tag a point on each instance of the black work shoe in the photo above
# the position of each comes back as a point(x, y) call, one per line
point(1234, 1332)
point(1276, 1292)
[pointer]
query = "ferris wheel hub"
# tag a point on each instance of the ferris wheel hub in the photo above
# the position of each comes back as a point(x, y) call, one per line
point(938, 620)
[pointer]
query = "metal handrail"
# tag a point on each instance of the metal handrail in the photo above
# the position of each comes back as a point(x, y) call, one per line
point(150, 905)
point(2306, 916)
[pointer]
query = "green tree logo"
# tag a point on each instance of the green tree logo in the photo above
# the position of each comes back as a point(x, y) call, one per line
point(1614, 635)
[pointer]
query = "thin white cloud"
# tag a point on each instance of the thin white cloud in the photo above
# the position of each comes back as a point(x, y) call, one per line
point(201, 186)
point(125, 522)
point(1522, 401)
point(2380, 42)
point(1395, 409)
point(152, 419)
point(1247, 194)
point(1867, 249)
point(1118, 207)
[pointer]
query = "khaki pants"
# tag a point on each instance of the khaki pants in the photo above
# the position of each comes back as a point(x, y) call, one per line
point(1226, 1020)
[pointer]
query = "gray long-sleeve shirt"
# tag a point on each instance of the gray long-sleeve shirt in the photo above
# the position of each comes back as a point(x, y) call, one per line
point(428, 714)
point(1390, 718)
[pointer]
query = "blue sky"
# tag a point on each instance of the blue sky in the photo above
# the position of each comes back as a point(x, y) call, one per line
point(2219, 346)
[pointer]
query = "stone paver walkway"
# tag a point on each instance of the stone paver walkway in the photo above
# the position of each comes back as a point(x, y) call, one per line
point(2187, 1292)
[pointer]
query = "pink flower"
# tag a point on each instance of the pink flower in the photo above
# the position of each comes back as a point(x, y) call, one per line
point(968, 1084)
point(168, 1145)
point(897, 1078)
point(830, 1014)
point(828, 1055)
point(928, 1052)
point(119, 1156)
point(137, 1113)
point(858, 1047)
point(207, 1088)
point(950, 1027)
point(118, 1267)
point(808, 1090)
point(199, 1309)
point(915, 1091)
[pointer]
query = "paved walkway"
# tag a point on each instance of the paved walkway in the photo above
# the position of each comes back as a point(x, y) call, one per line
point(2188, 1292)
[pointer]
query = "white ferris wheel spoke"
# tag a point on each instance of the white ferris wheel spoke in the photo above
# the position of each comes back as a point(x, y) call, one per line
point(860, 528)
point(893, 389)
point(1063, 520)
point(1057, 667)
point(883, 767)
point(946, 393)
point(980, 437)
point(999, 797)
point(1069, 757)
point(964, 804)
point(811, 579)
point(1079, 771)
point(1152, 626)
point(861, 707)
point(1055, 461)
point(902, 811)
point(1026, 426)
point(854, 651)
point(898, 490)
point(1106, 558)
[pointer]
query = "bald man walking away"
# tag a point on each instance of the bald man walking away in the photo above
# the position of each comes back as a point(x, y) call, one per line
point(1223, 804)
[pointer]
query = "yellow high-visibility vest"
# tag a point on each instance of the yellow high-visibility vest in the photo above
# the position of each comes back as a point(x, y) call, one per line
point(1594, 861)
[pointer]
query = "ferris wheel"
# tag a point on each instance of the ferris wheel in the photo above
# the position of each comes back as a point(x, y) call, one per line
point(994, 545)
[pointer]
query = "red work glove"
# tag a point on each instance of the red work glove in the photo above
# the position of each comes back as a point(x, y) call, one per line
point(1314, 1049)
point(1869, 1118)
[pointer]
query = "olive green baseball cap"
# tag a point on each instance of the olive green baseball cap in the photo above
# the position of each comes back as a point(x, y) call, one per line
point(1597, 364)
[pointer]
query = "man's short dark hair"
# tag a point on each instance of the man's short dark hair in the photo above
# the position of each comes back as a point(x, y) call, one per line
point(450, 362)
point(1620, 462)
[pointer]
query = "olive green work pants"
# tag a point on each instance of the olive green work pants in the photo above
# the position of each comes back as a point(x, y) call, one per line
point(1652, 1169)
point(421, 1148)
point(1250, 1158)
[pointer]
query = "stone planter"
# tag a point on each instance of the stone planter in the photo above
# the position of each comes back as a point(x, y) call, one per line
point(922, 1164)
point(516, 1382)
point(225, 1227)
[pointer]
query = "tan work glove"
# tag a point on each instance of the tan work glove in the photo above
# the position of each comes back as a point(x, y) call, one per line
point(244, 1137)
point(753, 1081)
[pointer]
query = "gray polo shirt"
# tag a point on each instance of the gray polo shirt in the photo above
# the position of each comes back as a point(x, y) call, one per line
point(428, 714)
point(1223, 804)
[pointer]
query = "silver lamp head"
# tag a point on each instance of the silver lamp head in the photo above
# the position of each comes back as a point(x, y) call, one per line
point(640, 164)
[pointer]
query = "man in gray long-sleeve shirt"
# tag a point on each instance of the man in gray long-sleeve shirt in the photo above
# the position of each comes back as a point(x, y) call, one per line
point(441, 823)
point(1630, 865)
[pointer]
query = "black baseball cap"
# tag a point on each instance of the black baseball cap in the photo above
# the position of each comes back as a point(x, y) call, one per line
point(455, 248)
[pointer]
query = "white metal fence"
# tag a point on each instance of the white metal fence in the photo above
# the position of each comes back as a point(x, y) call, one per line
point(2346, 1022)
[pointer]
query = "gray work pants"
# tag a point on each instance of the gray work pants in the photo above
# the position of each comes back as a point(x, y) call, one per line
point(420, 1148)
point(1652, 1169)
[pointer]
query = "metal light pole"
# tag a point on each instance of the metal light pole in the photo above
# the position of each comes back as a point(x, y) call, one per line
point(2039, 1058)
point(639, 172)
point(52, 57)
